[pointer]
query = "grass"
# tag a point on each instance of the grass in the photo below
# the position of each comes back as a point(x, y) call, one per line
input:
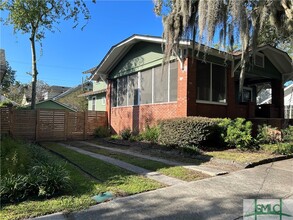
point(239, 156)
point(78, 196)
point(168, 170)
point(182, 173)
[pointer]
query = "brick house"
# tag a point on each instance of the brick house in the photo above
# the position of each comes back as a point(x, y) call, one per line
point(140, 91)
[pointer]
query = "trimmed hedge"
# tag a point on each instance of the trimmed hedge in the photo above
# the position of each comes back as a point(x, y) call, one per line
point(190, 131)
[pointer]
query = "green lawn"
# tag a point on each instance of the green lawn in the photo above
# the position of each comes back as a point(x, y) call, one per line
point(239, 156)
point(168, 170)
point(78, 196)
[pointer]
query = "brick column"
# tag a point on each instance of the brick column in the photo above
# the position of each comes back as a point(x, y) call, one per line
point(182, 89)
point(231, 97)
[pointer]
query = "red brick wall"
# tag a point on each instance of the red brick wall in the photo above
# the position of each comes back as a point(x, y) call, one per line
point(138, 117)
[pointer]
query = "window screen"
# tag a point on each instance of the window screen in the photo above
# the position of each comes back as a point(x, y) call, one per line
point(146, 87)
point(114, 94)
point(218, 84)
point(173, 81)
point(122, 91)
point(203, 81)
point(133, 90)
point(161, 84)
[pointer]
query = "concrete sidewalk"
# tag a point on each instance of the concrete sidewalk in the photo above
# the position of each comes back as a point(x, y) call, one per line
point(200, 168)
point(219, 197)
point(166, 180)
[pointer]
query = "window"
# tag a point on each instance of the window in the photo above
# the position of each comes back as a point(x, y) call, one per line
point(122, 91)
point(211, 82)
point(133, 89)
point(146, 87)
point(247, 94)
point(103, 100)
point(173, 81)
point(161, 84)
point(218, 84)
point(259, 60)
point(93, 103)
point(203, 78)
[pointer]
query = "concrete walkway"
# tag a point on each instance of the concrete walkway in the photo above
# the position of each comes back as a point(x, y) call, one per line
point(219, 197)
point(166, 180)
point(201, 168)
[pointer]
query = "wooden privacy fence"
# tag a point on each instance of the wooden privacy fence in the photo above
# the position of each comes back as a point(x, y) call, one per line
point(50, 125)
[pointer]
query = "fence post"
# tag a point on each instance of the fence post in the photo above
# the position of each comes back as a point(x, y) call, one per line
point(12, 122)
point(37, 124)
point(66, 125)
point(85, 125)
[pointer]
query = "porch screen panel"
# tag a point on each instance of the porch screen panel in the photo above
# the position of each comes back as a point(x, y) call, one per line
point(114, 94)
point(173, 81)
point(218, 84)
point(133, 89)
point(122, 91)
point(146, 87)
point(161, 84)
point(203, 79)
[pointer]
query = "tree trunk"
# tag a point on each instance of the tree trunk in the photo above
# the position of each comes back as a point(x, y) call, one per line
point(34, 71)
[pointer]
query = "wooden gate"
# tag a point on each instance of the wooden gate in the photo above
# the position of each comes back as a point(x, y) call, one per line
point(51, 125)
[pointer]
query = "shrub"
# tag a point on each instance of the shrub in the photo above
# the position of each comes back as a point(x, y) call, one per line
point(15, 158)
point(49, 179)
point(151, 134)
point(29, 171)
point(237, 133)
point(14, 187)
point(115, 137)
point(268, 135)
point(101, 132)
point(126, 133)
point(288, 134)
point(190, 131)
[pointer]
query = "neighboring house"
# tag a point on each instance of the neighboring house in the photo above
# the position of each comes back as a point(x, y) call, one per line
point(288, 101)
point(3, 99)
point(139, 93)
point(71, 96)
point(54, 91)
point(51, 104)
point(97, 97)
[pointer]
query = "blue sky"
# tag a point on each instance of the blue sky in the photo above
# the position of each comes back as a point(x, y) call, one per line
point(66, 54)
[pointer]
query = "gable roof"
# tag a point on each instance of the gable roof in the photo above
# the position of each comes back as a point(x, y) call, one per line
point(118, 51)
point(57, 103)
point(69, 91)
point(279, 58)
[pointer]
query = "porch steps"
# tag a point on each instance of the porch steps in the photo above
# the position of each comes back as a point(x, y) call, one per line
point(201, 168)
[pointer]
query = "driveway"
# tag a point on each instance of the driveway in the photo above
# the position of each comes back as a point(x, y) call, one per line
point(219, 197)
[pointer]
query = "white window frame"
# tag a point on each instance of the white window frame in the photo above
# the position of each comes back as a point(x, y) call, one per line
point(94, 103)
point(263, 60)
point(103, 100)
point(211, 87)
